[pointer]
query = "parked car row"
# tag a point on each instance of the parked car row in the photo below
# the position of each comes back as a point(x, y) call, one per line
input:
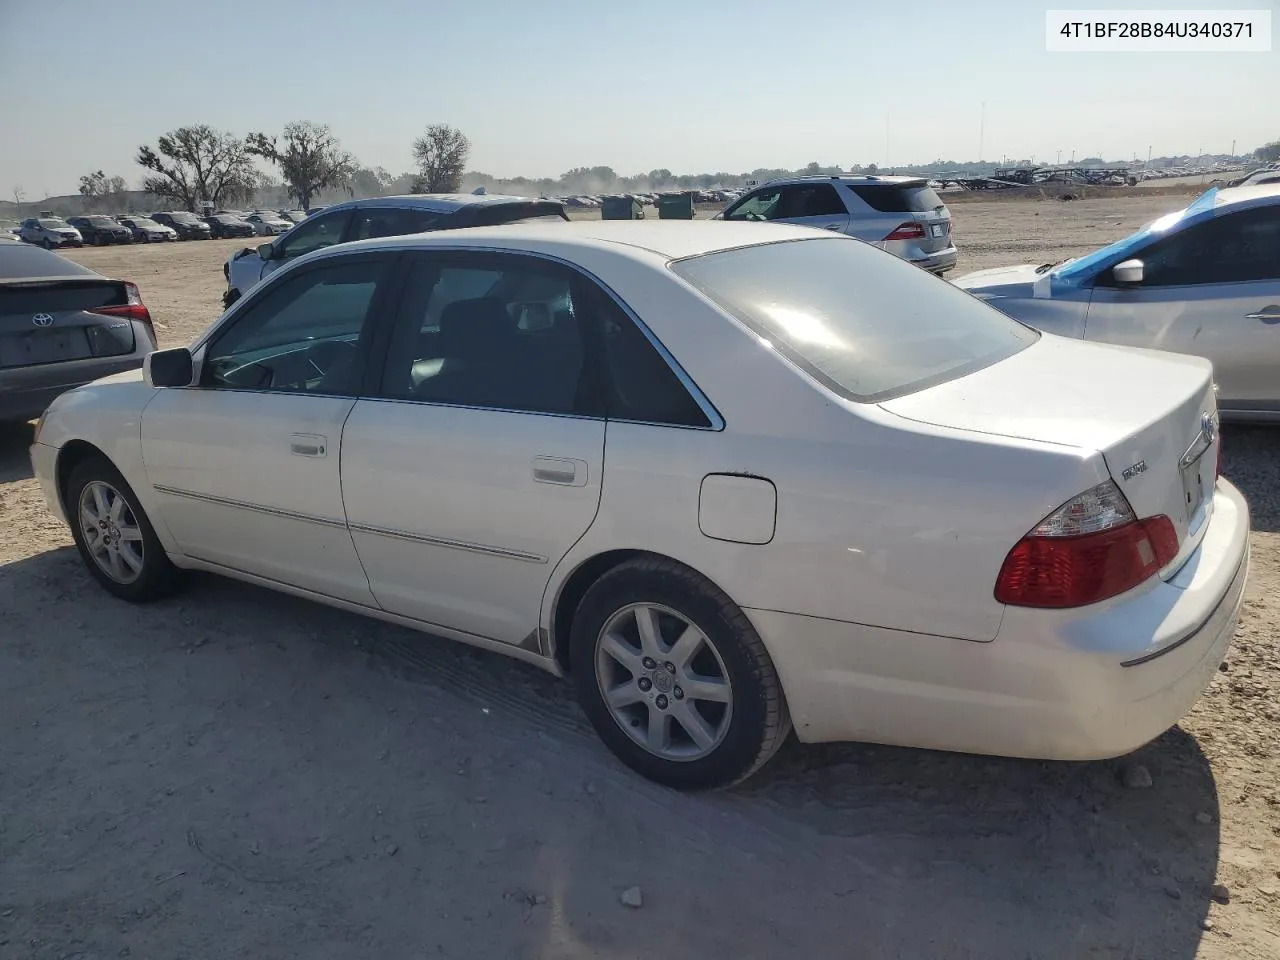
point(648, 199)
point(53, 232)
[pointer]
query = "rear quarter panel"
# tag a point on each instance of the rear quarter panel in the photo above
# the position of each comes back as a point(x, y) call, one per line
point(880, 521)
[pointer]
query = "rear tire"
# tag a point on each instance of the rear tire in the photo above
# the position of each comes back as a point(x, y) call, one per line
point(674, 677)
point(114, 536)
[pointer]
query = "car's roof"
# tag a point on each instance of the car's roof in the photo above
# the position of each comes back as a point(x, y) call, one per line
point(440, 202)
point(25, 262)
point(860, 180)
point(1247, 194)
point(671, 239)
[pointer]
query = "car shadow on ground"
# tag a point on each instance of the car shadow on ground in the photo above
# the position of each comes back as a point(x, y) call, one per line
point(256, 742)
point(1251, 460)
point(15, 457)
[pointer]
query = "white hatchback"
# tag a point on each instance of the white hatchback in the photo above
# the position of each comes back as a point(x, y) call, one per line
point(730, 477)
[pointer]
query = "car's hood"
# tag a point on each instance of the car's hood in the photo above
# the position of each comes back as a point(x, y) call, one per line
point(1002, 281)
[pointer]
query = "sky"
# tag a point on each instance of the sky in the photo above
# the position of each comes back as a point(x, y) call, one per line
point(694, 86)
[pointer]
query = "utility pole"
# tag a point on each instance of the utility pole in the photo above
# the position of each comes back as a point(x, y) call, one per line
point(1148, 155)
point(982, 129)
point(1058, 162)
point(1233, 147)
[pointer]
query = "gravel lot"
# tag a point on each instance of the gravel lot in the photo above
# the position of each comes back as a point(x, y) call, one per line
point(236, 773)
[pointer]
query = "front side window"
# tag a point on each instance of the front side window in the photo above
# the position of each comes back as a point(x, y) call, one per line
point(314, 235)
point(867, 325)
point(492, 331)
point(1235, 248)
point(762, 205)
point(307, 333)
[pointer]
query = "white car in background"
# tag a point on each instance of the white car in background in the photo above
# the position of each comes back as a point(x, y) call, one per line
point(268, 224)
point(818, 505)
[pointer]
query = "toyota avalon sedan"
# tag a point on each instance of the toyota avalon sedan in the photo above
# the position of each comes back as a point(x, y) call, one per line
point(1203, 281)
point(734, 479)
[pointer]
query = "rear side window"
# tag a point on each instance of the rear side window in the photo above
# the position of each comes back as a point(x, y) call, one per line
point(865, 324)
point(810, 200)
point(392, 222)
point(896, 198)
point(491, 216)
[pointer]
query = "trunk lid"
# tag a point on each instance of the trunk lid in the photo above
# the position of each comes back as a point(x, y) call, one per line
point(51, 321)
point(1152, 416)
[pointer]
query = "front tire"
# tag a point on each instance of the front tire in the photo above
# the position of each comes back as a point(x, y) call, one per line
point(114, 536)
point(674, 677)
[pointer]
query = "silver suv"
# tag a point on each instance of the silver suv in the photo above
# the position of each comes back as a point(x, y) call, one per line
point(902, 215)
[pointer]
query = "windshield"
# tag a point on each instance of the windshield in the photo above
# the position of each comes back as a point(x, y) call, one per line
point(184, 218)
point(143, 222)
point(102, 222)
point(865, 324)
point(1113, 253)
point(53, 222)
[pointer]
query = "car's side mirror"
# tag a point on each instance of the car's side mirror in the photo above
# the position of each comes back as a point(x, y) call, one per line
point(1129, 272)
point(266, 250)
point(169, 368)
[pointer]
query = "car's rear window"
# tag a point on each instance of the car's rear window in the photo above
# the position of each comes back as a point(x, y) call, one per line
point(862, 322)
point(896, 198)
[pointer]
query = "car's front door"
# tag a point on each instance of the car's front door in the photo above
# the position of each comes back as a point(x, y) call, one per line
point(245, 465)
point(478, 464)
point(323, 231)
point(1212, 290)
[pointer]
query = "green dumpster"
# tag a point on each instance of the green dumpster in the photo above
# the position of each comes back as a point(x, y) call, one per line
point(621, 208)
point(675, 206)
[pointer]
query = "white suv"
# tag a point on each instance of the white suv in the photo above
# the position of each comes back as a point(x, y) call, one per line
point(902, 215)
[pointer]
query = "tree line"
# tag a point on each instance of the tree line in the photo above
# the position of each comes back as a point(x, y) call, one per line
point(198, 163)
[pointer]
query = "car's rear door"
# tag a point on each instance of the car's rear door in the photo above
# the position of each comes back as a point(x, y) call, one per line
point(1212, 290)
point(245, 465)
point(813, 205)
point(476, 462)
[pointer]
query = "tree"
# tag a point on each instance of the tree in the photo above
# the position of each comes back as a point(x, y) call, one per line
point(1268, 152)
point(441, 154)
point(197, 163)
point(102, 192)
point(310, 159)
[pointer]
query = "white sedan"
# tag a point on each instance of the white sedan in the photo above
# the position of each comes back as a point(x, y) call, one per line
point(731, 478)
point(269, 224)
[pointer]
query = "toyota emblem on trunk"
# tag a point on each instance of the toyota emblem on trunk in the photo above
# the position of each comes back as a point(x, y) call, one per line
point(42, 320)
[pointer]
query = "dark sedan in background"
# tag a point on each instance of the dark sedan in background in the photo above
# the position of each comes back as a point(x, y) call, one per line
point(187, 225)
point(62, 325)
point(226, 225)
point(99, 231)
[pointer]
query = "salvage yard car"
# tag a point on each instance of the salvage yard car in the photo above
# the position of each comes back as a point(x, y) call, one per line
point(902, 215)
point(146, 230)
point(1202, 281)
point(62, 325)
point(50, 232)
point(729, 477)
point(378, 217)
point(100, 230)
point(186, 225)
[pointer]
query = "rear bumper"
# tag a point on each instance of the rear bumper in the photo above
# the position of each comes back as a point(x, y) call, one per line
point(937, 262)
point(1051, 685)
point(26, 392)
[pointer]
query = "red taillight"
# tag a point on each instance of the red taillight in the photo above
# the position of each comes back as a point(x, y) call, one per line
point(1090, 549)
point(134, 309)
point(907, 231)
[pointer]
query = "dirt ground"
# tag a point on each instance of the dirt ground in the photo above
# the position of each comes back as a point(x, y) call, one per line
point(234, 773)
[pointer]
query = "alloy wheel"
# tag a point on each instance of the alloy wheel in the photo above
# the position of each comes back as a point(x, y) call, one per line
point(111, 532)
point(664, 682)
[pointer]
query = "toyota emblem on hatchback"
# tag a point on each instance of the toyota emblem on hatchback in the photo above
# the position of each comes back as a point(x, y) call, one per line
point(43, 320)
